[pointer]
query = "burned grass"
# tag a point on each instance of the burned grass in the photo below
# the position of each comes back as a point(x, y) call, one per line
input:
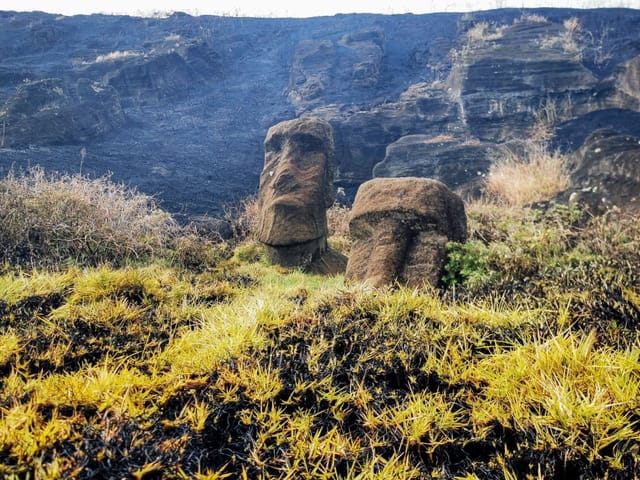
point(251, 371)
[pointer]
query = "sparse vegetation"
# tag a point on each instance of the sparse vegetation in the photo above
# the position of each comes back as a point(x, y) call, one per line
point(525, 364)
point(483, 32)
point(570, 39)
point(116, 55)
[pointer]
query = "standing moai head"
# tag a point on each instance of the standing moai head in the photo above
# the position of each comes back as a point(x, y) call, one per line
point(400, 228)
point(296, 188)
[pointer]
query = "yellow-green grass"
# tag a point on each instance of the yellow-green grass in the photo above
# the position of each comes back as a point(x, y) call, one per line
point(524, 363)
point(253, 371)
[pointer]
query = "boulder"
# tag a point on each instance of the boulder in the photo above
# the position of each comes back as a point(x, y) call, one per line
point(400, 227)
point(453, 161)
point(296, 188)
point(606, 171)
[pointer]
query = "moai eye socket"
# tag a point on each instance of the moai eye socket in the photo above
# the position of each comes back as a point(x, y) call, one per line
point(308, 143)
point(274, 144)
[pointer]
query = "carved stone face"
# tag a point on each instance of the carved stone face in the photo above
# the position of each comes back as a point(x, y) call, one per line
point(400, 228)
point(296, 184)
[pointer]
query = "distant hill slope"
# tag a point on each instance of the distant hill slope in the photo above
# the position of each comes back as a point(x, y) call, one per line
point(180, 106)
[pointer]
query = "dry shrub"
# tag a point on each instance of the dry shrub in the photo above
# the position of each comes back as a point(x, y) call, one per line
point(338, 226)
point(51, 218)
point(338, 220)
point(571, 39)
point(534, 175)
point(243, 218)
point(484, 32)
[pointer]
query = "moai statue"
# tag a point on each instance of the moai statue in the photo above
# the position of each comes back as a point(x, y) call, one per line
point(296, 188)
point(400, 227)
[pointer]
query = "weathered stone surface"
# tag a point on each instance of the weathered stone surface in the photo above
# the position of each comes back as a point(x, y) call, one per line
point(198, 94)
point(400, 227)
point(445, 158)
point(296, 188)
point(362, 135)
point(326, 70)
point(572, 134)
point(507, 80)
point(47, 112)
point(627, 88)
point(152, 78)
point(606, 171)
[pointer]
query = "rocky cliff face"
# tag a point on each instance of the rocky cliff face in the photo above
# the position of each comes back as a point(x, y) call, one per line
point(180, 106)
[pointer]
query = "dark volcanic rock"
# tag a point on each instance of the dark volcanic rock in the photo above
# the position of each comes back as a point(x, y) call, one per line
point(152, 79)
point(196, 95)
point(571, 135)
point(325, 71)
point(400, 227)
point(166, 70)
point(506, 80)
point(362, 135)
point(47, 112)
point(444, 158)
point(606, 170)
point(628, 84)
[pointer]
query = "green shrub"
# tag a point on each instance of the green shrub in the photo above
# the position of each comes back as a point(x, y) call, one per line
point(547, 255)
point(468, 264)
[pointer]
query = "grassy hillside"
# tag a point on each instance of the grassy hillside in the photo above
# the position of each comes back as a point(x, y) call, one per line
point(195, 359)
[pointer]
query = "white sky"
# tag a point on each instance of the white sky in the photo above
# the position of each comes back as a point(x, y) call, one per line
point(295, 8)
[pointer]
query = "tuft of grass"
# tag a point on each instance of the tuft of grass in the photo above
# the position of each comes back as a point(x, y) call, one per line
point(519, 180)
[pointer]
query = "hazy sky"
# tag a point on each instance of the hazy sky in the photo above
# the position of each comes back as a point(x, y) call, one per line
point(299, 8)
